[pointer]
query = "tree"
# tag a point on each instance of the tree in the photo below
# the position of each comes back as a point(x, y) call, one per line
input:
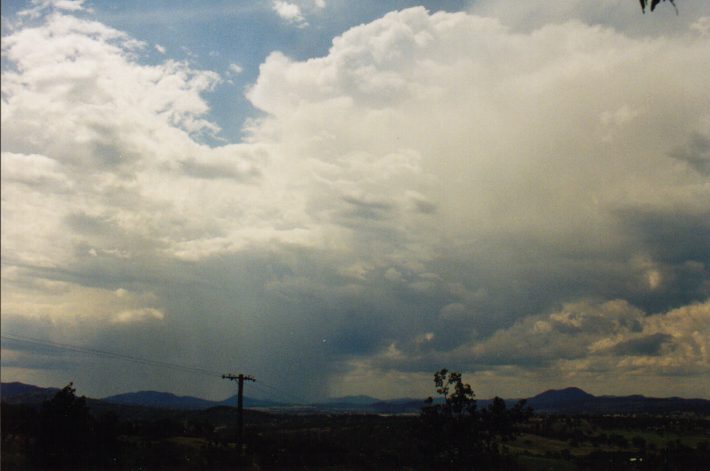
point(456, 434)
point(460, 402)
point(449, 429)
point(645, 3)
point(65, 430)
point(69, 437)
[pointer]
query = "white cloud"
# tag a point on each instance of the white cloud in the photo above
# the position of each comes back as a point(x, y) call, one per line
point(289, 12)
point(702, 26)
point(109, 127)
point(138, 315)
point(31, 169)
point(403, 83)
point(41, 6)
point(619, 337)
point(235, 69)
point(160, 49)
point(69, 5)
point(582, 342)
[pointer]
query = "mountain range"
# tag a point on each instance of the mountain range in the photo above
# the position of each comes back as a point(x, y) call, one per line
point(20, 393)
point(570, 400)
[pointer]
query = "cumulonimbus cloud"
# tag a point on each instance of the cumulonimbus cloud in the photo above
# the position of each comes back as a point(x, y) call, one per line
point(432, 184)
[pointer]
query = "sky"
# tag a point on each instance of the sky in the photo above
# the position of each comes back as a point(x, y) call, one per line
point(344, 197)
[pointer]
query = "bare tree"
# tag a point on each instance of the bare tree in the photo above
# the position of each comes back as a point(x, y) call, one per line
point(653, 3)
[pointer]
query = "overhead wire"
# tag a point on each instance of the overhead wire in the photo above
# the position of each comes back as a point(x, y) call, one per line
point(284, 396)
point(107, 354)
point(268, 390)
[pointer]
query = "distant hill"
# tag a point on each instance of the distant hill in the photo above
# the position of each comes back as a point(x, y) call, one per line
point(20, 393)
point(556, 398)
point(562, 395)
point(575, 401)
point(570, 400)
point(161, 400)
point(165, 400)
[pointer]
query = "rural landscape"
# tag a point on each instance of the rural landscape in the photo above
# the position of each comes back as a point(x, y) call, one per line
point(46, 428)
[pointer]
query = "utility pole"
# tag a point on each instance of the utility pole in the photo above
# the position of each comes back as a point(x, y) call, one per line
point(240, 378)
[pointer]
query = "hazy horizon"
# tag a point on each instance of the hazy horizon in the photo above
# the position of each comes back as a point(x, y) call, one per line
point(280, 397)
point(343, 197)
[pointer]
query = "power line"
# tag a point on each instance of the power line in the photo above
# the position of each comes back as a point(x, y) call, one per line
point(112, 355)
point(290, 397)
point(276, 393)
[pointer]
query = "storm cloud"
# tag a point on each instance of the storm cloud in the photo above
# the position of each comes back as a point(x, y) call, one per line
point(526, 203)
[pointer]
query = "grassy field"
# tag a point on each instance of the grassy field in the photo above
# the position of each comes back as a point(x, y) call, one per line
point(185, 440)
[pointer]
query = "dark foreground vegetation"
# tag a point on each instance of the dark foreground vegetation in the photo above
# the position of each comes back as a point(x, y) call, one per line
point(70, 432)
